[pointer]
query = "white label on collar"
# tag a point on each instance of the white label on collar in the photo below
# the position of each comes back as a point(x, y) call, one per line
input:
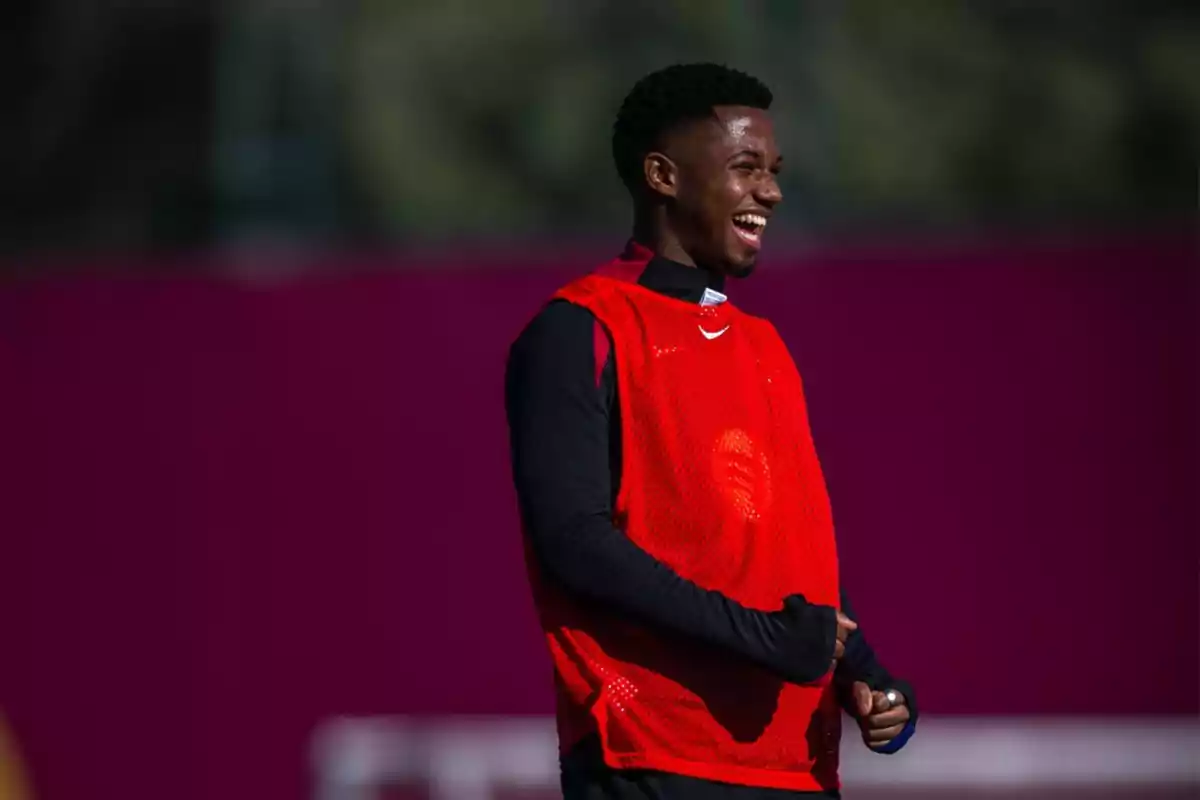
point(712, 298)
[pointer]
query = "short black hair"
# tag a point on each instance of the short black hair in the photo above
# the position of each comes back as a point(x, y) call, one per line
point(664, 99)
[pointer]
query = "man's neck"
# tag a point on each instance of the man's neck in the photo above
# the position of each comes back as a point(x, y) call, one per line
point(652, 232)
point(682, 282)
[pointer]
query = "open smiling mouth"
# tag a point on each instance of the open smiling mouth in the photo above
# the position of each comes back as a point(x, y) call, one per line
point(749, 228)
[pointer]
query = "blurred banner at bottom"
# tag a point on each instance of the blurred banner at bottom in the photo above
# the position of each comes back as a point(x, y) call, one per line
point(980, 757)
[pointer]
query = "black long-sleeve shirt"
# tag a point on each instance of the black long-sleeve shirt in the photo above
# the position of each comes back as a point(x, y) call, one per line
point(565, 428)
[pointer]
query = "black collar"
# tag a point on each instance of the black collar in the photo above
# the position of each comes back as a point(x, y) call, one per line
point(679, 280)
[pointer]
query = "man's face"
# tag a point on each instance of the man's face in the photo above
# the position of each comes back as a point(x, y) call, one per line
point(727, 169)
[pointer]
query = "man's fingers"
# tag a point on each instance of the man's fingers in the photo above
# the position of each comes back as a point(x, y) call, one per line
point(862, 699)
point(881, 736)
point(839, 649)
point(888, 699)
point(843, 631)
point(845, 622)
point(895, 716)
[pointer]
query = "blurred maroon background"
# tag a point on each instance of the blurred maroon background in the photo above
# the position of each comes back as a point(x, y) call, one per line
point(232, 510)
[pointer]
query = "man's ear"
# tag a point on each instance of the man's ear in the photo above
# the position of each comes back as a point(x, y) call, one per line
point(662, 176)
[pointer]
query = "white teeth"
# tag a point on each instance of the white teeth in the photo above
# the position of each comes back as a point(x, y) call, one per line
point(752, 219)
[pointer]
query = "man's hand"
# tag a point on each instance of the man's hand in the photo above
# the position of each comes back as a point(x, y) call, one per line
point(844, 626)
point(879, 719)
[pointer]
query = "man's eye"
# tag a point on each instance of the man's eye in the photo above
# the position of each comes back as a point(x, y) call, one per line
point(744, 167)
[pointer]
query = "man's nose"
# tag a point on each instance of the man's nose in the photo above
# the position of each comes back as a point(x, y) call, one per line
point(768, 192)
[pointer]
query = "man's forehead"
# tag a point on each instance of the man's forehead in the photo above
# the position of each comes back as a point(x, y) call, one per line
point(726, 130)
point(738, 123)
point(731, 128)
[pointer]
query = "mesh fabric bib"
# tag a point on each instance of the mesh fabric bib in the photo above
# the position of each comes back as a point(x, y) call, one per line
point(721, 482)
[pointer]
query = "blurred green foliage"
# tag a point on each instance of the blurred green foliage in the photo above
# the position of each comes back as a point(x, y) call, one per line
point(336, 122)
point(469, 118)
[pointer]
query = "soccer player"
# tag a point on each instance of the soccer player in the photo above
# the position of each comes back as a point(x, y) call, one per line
point(678, 531)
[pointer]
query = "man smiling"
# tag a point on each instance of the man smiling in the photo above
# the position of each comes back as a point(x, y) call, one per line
point(679, 536)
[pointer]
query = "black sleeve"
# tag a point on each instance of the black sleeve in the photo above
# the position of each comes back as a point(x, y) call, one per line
point(860, 664)
point(559, 423)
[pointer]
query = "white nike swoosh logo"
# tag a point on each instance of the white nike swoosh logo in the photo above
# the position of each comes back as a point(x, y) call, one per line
point(713, 334)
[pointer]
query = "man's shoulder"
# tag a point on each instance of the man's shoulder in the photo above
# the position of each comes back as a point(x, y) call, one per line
point(565, 345)
point(559, 317)
point(560, 329)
